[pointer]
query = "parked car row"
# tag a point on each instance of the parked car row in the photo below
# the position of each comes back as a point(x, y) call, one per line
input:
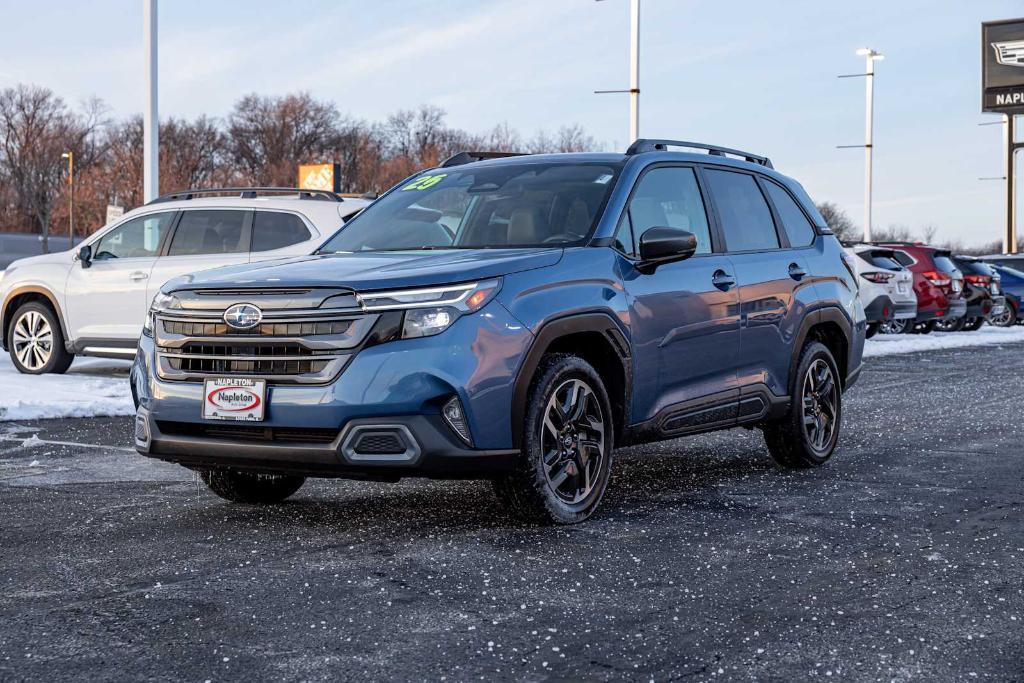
point(914, 288)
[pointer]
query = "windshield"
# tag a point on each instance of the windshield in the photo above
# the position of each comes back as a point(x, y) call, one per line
point(506, 205)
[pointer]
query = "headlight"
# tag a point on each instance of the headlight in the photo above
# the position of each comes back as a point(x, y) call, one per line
point(161, 302)
point(432, 310)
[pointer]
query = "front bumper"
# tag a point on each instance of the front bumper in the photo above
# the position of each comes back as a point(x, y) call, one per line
point(398, 385)
point(428, 449)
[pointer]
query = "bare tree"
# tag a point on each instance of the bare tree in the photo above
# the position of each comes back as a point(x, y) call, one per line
point(839, 221)
point(36, 127)
point(269, 136)
point(928, 233)
point(894, 233)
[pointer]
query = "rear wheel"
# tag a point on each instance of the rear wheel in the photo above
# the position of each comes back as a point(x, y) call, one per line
point(950, 324)
point(896, 326)
point(807, 435)
point(973, 325)
point(872, 330)
point(567, 442)
point(251, 487)
point(35, 341)
point(1008, 318)
point(921, 328)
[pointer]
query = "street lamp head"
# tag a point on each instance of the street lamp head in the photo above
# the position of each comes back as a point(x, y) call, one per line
point(869, 53)
point(65, 155)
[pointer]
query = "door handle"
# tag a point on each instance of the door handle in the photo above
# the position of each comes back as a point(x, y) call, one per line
point(138, 275)
point(722, 280)
point(796, 271)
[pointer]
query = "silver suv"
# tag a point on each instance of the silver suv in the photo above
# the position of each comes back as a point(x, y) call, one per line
point(93, 300)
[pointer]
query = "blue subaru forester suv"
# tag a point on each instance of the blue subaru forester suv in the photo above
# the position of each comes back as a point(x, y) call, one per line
point(515, 318)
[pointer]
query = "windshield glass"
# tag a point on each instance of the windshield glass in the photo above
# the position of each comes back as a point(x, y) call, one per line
point(506, 205)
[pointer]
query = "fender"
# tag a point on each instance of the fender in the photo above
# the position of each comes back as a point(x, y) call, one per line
point(599, 322)
point(33, 289)
point(825, 313)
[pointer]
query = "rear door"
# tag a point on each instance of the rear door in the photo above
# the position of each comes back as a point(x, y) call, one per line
point(108, 300)
point(203, 239)
point(769, 272)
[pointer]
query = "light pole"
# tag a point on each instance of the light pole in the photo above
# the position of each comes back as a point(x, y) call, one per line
point(70, 156)
point(634, 71)
point(870, 56)
point(150, 117)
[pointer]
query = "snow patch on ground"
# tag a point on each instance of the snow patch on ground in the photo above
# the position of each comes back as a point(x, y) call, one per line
point(92, 387)
point(892, 344)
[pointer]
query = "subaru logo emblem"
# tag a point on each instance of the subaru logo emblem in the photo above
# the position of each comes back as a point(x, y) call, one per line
point(243, 316)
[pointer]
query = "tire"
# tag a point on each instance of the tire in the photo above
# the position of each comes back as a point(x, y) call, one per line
point(794, 443)
point(954, 325)
point(973, 325)
point(35, 341)
point(1008, 318)
point(251, 487)
point(921, 328)
point(896, 326)
point(872, 330)
point(568, 417)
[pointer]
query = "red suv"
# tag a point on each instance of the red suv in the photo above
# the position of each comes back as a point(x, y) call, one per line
point(938, 283)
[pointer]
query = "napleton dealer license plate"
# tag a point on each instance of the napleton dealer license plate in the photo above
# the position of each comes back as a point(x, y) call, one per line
point(232, 398)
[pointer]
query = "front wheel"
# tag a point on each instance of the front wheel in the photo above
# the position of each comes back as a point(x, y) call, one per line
point(36, 342)
point(251, 487)
point(807, 435)
point(566, 457)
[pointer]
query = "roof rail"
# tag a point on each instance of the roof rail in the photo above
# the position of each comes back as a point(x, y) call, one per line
point(469, 157)
point(248, 193)
point(644, 145)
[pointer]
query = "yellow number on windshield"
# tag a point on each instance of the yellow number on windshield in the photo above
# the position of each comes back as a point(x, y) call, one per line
point(426, 181)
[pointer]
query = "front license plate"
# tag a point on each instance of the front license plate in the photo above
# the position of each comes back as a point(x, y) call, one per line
point(231, 398)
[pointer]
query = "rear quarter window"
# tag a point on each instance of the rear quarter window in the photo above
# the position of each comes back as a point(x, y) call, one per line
point(274, 230)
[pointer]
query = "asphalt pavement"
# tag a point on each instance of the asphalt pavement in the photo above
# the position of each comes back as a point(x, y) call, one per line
point(901, 559)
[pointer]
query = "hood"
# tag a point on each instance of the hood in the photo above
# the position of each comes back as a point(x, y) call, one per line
point(43, 259)
point(368, 271)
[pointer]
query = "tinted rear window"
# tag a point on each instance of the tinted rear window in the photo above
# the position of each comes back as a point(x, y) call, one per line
point(273, 230)
point(974, 267)
point(903, 258)
point(744, 213)
point(944, 264)
point(881, 260)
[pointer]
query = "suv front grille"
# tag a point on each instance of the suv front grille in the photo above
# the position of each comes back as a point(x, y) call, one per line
point(289, 329)
point(291, 345)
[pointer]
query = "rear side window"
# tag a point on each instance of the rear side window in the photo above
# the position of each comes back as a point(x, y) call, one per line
point(903, 258)
point(208, 232)
point(744, 213)
point(273, 230)
point(666, 197)
point(794, 222)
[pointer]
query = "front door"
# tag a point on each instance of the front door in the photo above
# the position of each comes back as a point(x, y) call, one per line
point(684, 316)
point(107, 301)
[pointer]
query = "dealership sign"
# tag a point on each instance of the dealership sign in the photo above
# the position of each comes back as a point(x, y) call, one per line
point(1002, 66)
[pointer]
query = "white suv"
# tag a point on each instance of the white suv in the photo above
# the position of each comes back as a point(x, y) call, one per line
point(886, 288)
point(92, 301)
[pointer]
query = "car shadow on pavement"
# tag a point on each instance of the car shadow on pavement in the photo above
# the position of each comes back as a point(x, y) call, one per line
point(679, 475)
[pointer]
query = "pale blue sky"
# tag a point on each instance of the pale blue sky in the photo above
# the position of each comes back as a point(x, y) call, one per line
point(754, 75)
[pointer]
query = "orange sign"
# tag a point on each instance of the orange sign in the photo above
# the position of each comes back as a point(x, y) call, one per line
point(320, 177)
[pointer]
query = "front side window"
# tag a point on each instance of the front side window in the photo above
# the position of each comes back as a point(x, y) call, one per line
point(138, 238)
point(746, 219)
point(794, 222)
point(208, 232)
point(520, 204)
point(274, 230)
point(670, 197)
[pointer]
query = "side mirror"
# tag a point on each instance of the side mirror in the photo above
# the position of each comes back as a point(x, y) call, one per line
point(661, 245)
point(85, 256)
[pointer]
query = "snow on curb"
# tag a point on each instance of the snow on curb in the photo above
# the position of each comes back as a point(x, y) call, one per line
point(893, 344)
point(91, 388)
